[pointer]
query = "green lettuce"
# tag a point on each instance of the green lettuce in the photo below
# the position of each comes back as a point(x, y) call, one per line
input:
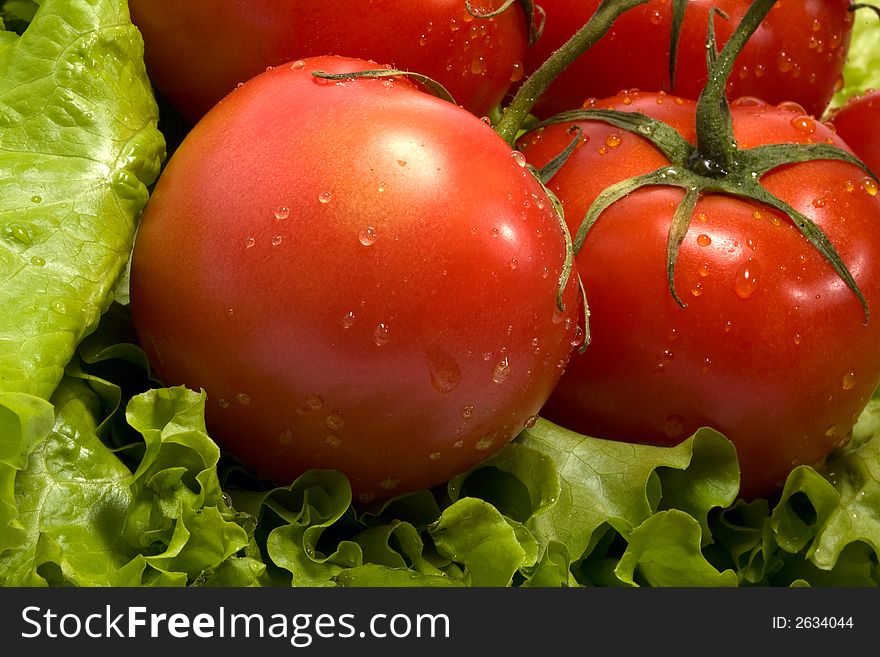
point(862, 69)
point(109, 479)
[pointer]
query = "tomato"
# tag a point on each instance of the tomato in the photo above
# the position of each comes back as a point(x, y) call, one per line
point(360, 275)
point(197, 51)
point(857, 123)
point(796, 55)
point(772, 348)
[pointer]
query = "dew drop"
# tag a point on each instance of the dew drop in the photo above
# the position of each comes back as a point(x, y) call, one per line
point(444, 370)
point(243, 398)
point(501, 372)
point(513, 264)
point(36, 199)
point(869, 185)
point(37, 261)
point(390, 483)
point(516, 72)
point(277, 240)
point(314, 402)
point(613, 140)
point(747, 279)
point(348, 320)
point(366, 498)
point(285, 437)
point(849, 381)
point(804, 124)
point(467, 412)
point(298, 64)
point(249, 243)
point(282, 212)
point(484, 443)
point(704, 240)
point(518, 157)
point(434, 456)
point(223, 402)
point(673, 426)
point(325, 197)
point(697, 290)
point(334, 421)
point(531, 421)
point(332, 440)
point(380, 334)
point(367, 236)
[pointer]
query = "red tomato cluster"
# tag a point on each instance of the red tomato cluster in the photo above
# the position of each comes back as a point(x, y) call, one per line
point(365, 277)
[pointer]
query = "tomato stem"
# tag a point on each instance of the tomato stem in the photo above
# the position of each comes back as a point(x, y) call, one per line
point(516, 113)
point(716, 147)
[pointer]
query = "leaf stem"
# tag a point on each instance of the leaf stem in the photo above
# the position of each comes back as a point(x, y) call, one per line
point(716, 148)
point(527, 95)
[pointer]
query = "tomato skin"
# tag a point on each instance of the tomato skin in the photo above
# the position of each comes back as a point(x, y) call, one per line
point(321, 258)
point(197, 51)
point(772, 349)
point(857, 123)
point(796, 55)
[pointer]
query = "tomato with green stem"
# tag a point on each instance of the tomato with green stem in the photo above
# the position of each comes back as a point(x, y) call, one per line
point(197, 51)
point(360, 275)
point(730, 255)
point(797, 54)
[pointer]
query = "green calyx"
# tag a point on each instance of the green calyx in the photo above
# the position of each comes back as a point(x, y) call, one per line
point(430, 84)
point(715, 164)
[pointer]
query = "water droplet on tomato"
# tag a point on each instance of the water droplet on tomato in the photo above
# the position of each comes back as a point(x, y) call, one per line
point(334, 421)
point(613, 140)
point(501, 372)
point(325, 197)
point(282, 212)
point(348, 320)
point(704, 240)
point(367, 236)
point(697, 290)
point(869, 185)
point(804, 124)
point(849, 381)
point(332, 440)
point(249, 242)
point(285, 437)
point(467, 412)
point(243, 398)
point(314, 402)
point(516, 72)
point(380, 334)
point(445, 372)
point(747, 278)
point(484, 443)
point(514, 263)
point(277, 240)
point(223, 403)
point(518, 157)
point(673, 426)
point(434, 456)
point(298, 64)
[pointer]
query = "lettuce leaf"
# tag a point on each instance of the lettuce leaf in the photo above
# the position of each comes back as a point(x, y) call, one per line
point(862, 69)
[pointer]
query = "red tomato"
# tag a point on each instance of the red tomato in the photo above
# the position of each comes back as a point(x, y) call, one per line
point(361, 276)
point(796, 55)
point(772, 348)
point(858, 122)
point(198, 50)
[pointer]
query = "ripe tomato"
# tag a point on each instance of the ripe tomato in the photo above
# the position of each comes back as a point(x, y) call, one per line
point(797, 54)
point(198, 50)
point(361, 276)
point(857, 122)
point(772, 348)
